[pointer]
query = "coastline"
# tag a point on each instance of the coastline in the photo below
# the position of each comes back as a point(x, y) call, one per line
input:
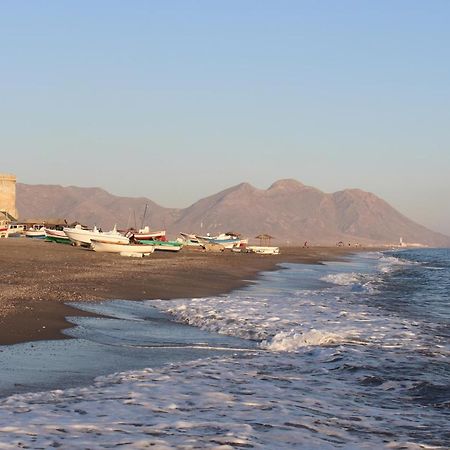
point(39, 277)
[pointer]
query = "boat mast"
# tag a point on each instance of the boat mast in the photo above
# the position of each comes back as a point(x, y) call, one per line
point(129, 219)
point(145, 213)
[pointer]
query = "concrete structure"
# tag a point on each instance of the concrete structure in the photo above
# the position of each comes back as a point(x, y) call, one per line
point(8, 194)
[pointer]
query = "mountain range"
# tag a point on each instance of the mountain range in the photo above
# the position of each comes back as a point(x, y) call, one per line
point(288, 210)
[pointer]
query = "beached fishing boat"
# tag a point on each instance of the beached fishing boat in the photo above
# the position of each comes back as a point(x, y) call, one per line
point(57, 236)
point(4, 227)
point(164, 246)
point(80, 236)
point(189, 240)
point(99, 245)
point(36, 232)
point(263, 250)
point(145, 234)
point(16, 230)
point(227, 240)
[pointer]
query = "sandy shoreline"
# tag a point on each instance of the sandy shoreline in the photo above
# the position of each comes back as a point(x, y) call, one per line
point(37, 277)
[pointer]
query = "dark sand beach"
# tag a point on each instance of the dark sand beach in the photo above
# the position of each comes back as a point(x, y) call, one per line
point(38, 277)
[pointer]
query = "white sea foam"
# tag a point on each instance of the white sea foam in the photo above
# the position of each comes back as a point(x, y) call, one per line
point(291, 319)
point(368, 281)
point(292, 341)
point(343, 279)
point(388, 263)
point(260, 401)
point(310, 318)
point(280, 322)
point(356, 281)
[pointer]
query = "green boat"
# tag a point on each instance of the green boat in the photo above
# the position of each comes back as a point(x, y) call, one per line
point(58, 239)
point(165, 246)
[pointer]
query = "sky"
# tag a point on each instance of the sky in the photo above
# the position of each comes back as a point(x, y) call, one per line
point(177, 100)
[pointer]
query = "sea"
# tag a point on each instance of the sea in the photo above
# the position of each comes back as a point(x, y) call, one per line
point(352, 354)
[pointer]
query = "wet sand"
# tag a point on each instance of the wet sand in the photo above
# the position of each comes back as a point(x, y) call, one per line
point(37, 277)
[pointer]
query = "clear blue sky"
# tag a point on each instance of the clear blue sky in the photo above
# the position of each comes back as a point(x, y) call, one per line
point(176, 100)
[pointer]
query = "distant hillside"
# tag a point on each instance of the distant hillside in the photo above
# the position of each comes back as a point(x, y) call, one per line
point(288, 210)
point(90, 206)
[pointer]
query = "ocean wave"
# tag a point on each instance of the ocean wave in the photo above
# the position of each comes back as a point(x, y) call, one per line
point(368, 281)
point(292, 341)
point(427, 393)
point(388, 263)
point(343, 279)
point(290, 320)
point(356, 281)
point(281, 323)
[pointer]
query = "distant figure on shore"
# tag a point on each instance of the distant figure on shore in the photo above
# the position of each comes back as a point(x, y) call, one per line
point(305, 245)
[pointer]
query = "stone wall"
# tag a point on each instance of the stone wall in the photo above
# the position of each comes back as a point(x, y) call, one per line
point(8, 194)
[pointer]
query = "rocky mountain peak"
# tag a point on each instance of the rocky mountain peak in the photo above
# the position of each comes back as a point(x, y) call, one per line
point(288, 184)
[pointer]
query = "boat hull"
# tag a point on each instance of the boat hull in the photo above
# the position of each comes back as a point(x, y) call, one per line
point(263, 250)
point(227, 241)
point(189, 240)
point(35, 234)
point(57, 236)
point(109, 247)
point(85, 237)
point(58, 239)
point(146, 236)
point(15, 230)
point(163, 246)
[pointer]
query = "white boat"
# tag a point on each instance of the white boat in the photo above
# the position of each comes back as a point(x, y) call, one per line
point(228, 240)
point(59, 236)
point(81, 236)
point(145, 234)
point(4, 228)
point(55, 232)
point(128, 249)
point(36, 232)
point(164, 246)
point(189, 240)
point(16, 229)
point(263, 250)
point(169, 246)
